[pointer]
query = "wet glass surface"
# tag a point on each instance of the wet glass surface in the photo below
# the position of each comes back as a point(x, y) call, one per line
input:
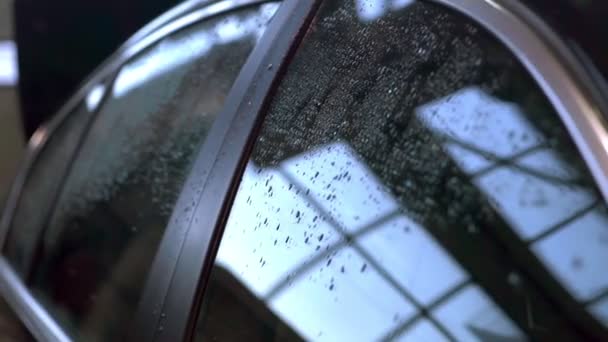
point(93, 257)
point(404, 161)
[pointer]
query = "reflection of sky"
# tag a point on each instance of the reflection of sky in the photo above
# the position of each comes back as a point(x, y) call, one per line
point(286, 242)
point(170, 54)
point(534, 189)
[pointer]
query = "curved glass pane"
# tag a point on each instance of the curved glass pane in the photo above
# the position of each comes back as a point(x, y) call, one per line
point(41, 187)
point(94, 254)
point(409, 182)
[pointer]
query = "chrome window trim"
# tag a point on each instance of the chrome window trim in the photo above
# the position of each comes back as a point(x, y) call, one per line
point(32, 314)
point(558, 72)
point(12, 288)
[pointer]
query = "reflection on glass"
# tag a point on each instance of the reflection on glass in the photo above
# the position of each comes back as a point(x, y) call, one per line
point(94, 96)
point(600, 310)
point(419, 264)
point(534, 193)
point(471, 316)
point(370, 10)
point(121, 189)
point(396, 158)
point(578, 252)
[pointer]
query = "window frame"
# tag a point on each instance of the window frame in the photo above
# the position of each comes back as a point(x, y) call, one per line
point(569, 86)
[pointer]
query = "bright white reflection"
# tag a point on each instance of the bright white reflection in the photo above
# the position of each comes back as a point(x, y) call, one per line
point(369, 10)
point(414, 258)
point(336, 178)
point(94, 96)
point(173, 53)
point(471, 316)
point(475, 125)
point(9, 72)
point(284, 241)
point(578, 253)
point(475, 118)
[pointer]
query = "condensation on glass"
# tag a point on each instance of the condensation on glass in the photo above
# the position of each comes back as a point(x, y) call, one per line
point(399, 124)
point(89, 262)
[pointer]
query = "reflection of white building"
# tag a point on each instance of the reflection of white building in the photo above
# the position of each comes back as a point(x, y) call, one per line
point(286, 242)
point(328, 248)
point(535, 191)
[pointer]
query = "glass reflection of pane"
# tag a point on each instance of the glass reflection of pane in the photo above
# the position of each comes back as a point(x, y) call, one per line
point(345, 300)
point(475, 125)
point(477, 119)
point(275, 231)
point(468, 161)
point(422, 331)
point(471, 316)
point(406, 250)
point(532, 204)
point(577, 254)
point(335, 178)
point(548, 162)
point(600, 311)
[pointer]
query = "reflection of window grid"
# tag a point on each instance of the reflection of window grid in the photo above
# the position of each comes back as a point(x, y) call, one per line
point(424, 311)
point(512, 162)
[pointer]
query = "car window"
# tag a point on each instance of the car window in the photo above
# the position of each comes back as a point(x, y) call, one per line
point(93, 256)
point(403, 151)
point(39, 192)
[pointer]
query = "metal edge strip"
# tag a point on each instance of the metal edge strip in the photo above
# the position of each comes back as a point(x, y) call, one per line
point(174, 20)
point(556, 70)
point(181, 267)
point(32, 314)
